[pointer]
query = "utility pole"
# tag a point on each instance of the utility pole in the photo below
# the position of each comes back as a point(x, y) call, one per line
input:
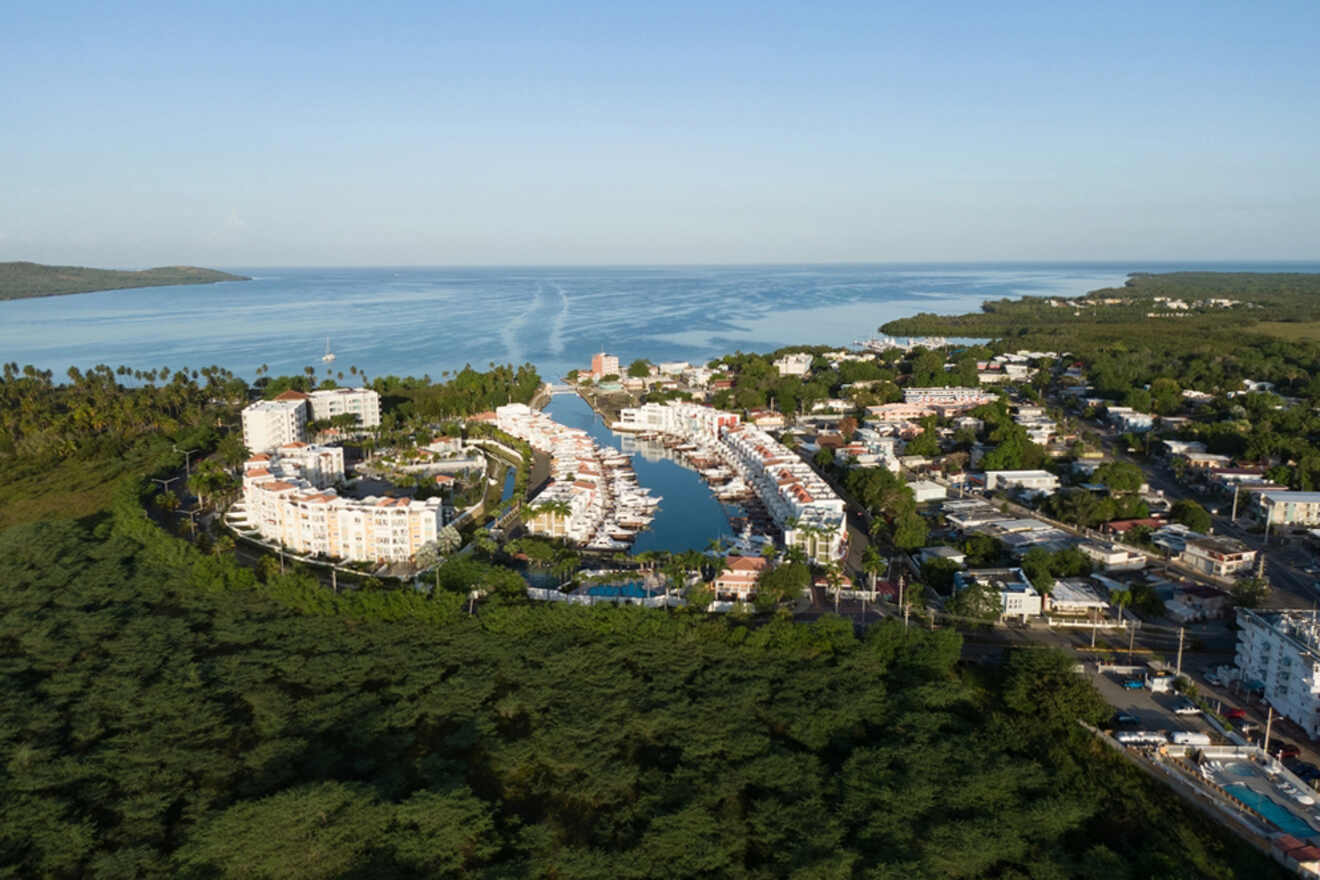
point(1093, 626)
point(1132, 637)
point(1237, 486)
point(187, 459)
point(1269, 722)
point(907, 609)
point(1180, 647)
point(164, 484)
point(334, 581)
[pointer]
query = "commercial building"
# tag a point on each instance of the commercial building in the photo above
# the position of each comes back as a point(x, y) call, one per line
point(1279, 652)
point(1038, 481)
point(1290, 508)
point(361, 402)
point(927, 490)
point(1018, 598)
point(1112, 557)
point(269, 424)
point(1221, 557)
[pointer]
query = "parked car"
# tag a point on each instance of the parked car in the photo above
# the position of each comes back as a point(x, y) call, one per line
point(1186, 707)
point(1126, 719)
point(1234, 714)
point(1283, 750)
point(1212, 678)
point(1134, 684)
point(1303, 770)
point(1249, 726)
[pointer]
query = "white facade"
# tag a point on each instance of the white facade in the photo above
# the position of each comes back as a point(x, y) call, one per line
point(676, 417)
point(1221, 557)
point(361, 402)
point(968, 397)
point(927, 490)
point(1281, 650)
point(269, 424)
point(794, 364)
point(1112, 557)
point(319, 465)
point(314, 521)
point(1290, 508)
point(1042, 481)
point(1017, 597)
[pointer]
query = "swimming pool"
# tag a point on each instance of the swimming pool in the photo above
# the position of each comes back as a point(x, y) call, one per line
point(1270, 809)
point(1240, 769)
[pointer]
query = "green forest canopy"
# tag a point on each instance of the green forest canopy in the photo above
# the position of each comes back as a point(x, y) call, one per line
point(154, 728)
point(20, 280)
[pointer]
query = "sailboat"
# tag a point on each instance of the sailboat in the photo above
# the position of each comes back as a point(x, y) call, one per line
point(329, 355)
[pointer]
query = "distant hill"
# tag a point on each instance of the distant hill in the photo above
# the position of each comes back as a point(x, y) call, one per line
point(23, 280)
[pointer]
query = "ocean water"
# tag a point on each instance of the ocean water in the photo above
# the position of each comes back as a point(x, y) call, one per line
point(425, 321)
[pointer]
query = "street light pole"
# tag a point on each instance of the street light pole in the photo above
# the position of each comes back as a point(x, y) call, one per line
point(187, 459)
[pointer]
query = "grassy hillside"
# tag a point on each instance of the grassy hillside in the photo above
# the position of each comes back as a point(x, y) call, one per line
point(22, 280)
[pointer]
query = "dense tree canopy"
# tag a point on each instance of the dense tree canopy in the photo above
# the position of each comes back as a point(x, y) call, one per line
point(160, 725)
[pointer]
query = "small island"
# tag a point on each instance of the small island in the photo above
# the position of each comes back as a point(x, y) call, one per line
point(22, 280)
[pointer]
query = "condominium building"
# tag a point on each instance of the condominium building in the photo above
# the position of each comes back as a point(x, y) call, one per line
point(269, 424)
point(604, 365)
point(361, 402)
point(806, 509)
point(321, 466)
point(1279, 652)
point(676, 417)
point(966, 398)
point(286, 499)
point(1290, 508)
point(794, 364)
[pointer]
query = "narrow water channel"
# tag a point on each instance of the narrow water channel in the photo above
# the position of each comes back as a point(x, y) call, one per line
point(689, 515)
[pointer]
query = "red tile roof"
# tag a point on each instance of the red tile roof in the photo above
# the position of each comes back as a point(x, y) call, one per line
point(291, 395)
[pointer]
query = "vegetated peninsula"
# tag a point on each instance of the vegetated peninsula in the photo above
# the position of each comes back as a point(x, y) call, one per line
point(22, 280)
point(1186, 306)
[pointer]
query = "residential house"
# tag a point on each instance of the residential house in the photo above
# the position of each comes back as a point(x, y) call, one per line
point(737, 580)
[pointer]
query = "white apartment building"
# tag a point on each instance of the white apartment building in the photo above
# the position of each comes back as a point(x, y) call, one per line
point(965, 397)
point(1280, 650)
point(802, 504)
point(676, 417)
point(319, 465)
point(1221, 557)
point(794, 364)
point(1038, 481)
point(1290, 508)
point(313, 521)
point(269, 424)
point(361, 402)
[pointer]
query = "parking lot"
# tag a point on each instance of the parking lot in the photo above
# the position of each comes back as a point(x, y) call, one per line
point(1152, 711)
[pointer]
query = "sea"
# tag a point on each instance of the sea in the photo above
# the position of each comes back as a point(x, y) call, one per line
point(429, 321)
point(433, 321)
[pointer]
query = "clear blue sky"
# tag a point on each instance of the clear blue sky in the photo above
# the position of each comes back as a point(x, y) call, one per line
point(248, 134)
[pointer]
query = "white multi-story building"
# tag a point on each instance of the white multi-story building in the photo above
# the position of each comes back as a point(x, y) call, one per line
point(321, 466)
point(676, 417)
point(314, 521)
point(794, 364)
point(802, 504)
point(1017, 597)
point(1280, 651)
point(269, 424)
point(1037, 481)
point(1290, 508)
point(361, 402)
point(1221, 557)
point(955, 396)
